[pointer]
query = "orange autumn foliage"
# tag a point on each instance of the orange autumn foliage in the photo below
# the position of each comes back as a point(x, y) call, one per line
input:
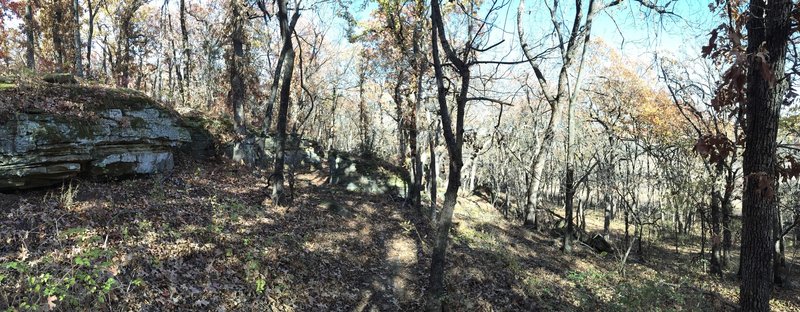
point(627, 88)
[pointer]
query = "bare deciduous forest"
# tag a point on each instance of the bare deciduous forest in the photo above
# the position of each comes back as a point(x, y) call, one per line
point(399, 155)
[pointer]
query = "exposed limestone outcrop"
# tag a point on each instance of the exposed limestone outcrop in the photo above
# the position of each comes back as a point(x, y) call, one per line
point(370, 176)
point(356, 174)
point(259, 151)
point(102, 133)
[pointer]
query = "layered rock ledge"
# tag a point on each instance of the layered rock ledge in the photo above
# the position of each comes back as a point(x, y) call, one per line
point(58, 132)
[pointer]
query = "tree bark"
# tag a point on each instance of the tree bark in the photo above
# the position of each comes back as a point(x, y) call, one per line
point(727, 211)
point(568, 209)
point(401, 123)
point(454, 140)
point(93, 9)
point(278, 195)
point(778, 260)
point(716, 237)
point(237, 94)
point(606, 214)
point(433, 141)
point(186, 50)
point(366, 146)
point(30, 43)
point(58, 45)
point(331, 138)
point(413, 132)
point(76, 12)
point(276, 76)
point(768, 30)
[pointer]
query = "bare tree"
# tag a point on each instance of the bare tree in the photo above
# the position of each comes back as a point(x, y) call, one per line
point(461, 61)
point(277, 177)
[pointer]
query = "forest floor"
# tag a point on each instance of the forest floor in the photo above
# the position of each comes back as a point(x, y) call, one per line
point(204, 238)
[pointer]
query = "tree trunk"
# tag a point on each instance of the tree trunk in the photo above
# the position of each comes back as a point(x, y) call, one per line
point(186, 50)
point(568, 209)
point(416, 159)
point(434, 169)
point(93, 9)
point(413, 132)
point(473, 170)
point(584, 208)
point(331, 138)
point(606, 214)
point(627, 227)
point(237, 61)
point(366, 147)
point(454, 139)
point(727, 211)
point(779, 260)
point(30, 43)
point(58, 45)
point(797, 229)
point(768, 28)
point(401, 129)
point(578, 38)
point(237, 94)
point(76, 11)
point(702, 233)
point(716, 237)
point(276, 75)
point(677, 227)
point(278, 195)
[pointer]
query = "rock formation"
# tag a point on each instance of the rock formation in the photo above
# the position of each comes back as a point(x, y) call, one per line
point(91, 131)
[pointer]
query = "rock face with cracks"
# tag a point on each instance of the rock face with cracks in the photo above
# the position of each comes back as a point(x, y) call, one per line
point(114, 136)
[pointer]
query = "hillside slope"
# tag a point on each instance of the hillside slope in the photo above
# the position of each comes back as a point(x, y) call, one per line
point(205, 238)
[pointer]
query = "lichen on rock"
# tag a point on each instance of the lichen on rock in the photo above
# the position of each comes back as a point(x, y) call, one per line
point(43, 147)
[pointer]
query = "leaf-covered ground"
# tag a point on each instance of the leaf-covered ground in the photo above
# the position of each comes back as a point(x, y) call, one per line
point(204, 238)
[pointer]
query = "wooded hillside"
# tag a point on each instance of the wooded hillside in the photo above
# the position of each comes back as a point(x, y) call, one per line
point(399, 155)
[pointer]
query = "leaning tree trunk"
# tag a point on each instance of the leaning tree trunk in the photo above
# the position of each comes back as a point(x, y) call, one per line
point(768, 31)
point(186, 50)
point(278, 195)
point(454, 139)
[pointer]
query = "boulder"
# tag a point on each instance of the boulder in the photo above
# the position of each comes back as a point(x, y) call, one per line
point(112, 136)
point(600, 244)
point(60, 78)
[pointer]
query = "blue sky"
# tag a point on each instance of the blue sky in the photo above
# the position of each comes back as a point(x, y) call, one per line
point(628, 27)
